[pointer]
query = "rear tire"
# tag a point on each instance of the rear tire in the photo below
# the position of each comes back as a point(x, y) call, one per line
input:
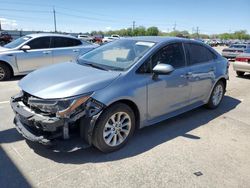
point(5, 72)
point(114, 128)
point(240, 73)
point(216, 95)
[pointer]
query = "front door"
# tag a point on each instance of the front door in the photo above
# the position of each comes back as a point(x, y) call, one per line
point(38, 56)
point(168, 93)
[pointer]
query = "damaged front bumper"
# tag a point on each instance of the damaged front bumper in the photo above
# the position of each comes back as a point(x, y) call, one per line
point(47, 129)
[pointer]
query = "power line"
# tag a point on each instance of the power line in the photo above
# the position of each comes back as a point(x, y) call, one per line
point(22, 10)
point(22, 3)
point(88, 18)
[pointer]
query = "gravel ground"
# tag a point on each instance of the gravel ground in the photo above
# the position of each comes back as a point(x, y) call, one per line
point(201, 148)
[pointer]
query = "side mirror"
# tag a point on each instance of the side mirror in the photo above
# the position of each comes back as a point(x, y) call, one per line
point(163, 69)
point(25, 47)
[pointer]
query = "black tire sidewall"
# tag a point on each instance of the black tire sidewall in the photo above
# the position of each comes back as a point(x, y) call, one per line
point(7, 72)
point(210, 104)
point(98, 140)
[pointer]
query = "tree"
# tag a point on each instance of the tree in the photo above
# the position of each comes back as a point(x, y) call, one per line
point(139, 31)
point(152, 31)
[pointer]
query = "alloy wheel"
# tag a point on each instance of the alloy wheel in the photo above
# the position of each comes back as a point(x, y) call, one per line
point(117, 129)
point(2, 73)
point(217, 94)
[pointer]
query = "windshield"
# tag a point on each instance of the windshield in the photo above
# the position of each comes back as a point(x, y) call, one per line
point(17, 42)
point(117, 55)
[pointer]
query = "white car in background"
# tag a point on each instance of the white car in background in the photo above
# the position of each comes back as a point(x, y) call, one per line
point(111, 38)
point(34, 51)
point(85, 37)
point(242, 63)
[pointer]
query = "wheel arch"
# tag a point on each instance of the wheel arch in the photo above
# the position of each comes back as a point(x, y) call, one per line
point(134, 108)
point(224, 80)
point(9, 66)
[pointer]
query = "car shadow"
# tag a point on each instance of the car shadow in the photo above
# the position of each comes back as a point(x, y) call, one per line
point(14, 78)
point(10, 175)
point(245, 76)
point(9, 136)
point(144, 139)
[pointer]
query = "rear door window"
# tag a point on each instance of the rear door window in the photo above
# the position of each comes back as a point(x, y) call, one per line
point(197, 54)
point(60, 42)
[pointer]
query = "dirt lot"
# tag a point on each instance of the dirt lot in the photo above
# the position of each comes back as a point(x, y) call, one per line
point(214, 143)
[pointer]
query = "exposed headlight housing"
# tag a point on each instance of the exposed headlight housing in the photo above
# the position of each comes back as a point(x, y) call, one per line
point(60, 107)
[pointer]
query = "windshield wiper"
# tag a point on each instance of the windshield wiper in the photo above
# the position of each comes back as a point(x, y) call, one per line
point(96, 66)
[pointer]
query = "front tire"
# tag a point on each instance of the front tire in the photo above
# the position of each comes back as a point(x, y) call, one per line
point(5, 72)
point(240, 73)
point(114, 128)
point(216, 95)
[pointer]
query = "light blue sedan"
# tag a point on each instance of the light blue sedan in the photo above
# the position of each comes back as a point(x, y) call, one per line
point(119, 87)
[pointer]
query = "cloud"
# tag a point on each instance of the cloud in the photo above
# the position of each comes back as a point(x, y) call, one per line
point(8, 23)
point(108, 28)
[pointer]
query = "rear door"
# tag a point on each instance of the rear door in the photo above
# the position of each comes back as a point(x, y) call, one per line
point(202, 64)
point(65, 49)
point(38, 56)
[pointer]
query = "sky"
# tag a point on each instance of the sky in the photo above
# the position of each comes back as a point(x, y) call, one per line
point(209, 16)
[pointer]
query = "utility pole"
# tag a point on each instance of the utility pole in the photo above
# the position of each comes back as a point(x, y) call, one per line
point(54, 13)
point(197, 32)
point(133, 26)
point(174, 27)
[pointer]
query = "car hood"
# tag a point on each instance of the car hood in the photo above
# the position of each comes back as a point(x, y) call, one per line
point(66, 80)
point(2, 49)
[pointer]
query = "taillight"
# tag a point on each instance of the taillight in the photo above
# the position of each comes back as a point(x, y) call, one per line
point(243, 59)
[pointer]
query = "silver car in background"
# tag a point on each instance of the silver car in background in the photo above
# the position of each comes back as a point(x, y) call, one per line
point(118, 87)
point(34, 51)
point(242, 63)
point(234, 50)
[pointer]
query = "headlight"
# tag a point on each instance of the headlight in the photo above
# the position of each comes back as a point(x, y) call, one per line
point(60, 107)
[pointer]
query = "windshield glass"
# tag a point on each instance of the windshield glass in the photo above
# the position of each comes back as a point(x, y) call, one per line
point(117, 55)
point(17, 42)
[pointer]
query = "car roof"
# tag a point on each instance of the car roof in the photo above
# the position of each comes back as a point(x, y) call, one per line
point(161, 39)
point(35, 35)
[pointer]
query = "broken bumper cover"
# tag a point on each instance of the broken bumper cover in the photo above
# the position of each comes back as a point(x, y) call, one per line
point(35, 127)
point(48, 130)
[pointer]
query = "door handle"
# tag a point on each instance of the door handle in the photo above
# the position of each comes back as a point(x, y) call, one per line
point(76, 50)
point(212, 69)
point(187, 75)
point(46, 52)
